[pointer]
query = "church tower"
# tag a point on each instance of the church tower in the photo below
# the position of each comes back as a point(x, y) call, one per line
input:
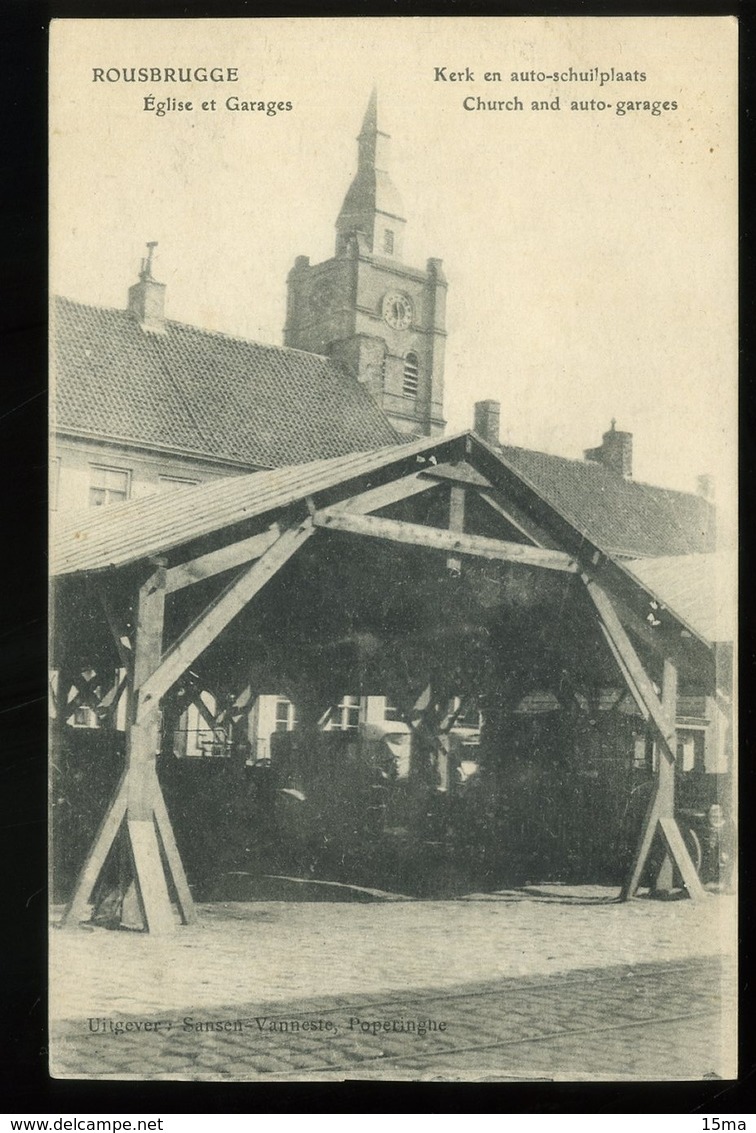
point(383, 320)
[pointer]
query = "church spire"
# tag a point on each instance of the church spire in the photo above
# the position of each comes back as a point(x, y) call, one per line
point(372, 212)
point(373, 143)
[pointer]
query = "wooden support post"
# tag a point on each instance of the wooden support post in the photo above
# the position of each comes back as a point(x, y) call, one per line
point(665, 778)
point(456, 523)
point(631, 686)
point(139, 799)
point(85, 695)
point(109, 701)
point(149, 875)
point(660, 819)
point(239, 707)
point(145, 795)
point(639, 683)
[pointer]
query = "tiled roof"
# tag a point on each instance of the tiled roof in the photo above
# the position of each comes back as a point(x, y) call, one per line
point(623, 517)
point(205, 393)
point(212, 395)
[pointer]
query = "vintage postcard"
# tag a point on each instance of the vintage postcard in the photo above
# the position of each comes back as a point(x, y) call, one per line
point(393, 469)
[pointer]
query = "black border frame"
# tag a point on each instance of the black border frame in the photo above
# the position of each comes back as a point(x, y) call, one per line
point(23, 641)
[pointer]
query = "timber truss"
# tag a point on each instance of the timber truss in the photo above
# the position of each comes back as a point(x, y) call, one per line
point(150, 668)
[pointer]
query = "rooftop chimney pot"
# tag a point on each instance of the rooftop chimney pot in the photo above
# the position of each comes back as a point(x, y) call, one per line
point(615, 451)
point(147, 297)
point(487, 420)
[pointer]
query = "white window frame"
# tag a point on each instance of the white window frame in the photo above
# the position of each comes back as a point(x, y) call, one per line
point(94, 468)
point(337, 718)
point(177, 481)
point(291, 715)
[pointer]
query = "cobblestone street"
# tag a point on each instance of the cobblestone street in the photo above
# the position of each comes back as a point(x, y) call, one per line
point(546, 984)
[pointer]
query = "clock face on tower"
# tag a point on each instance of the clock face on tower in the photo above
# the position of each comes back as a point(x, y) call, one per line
point(397, 310)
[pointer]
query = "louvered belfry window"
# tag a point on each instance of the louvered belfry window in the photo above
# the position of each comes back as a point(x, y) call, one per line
point(411, 372)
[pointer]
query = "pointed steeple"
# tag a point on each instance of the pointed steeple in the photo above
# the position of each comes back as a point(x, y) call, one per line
point(373, 143)
point(372, 207)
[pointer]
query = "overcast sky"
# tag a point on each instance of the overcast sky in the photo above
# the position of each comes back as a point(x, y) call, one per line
point(591, 257)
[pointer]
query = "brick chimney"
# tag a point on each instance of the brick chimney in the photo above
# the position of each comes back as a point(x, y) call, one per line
point(615, 452)
point(487, 416)
point(147, 297)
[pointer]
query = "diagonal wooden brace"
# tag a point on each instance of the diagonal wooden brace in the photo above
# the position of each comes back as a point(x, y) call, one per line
point(217, 615)
point(138, 807)
point(660, 818)
point(78, 906)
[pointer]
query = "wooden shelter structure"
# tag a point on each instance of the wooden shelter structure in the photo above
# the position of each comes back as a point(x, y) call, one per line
point(431, 566)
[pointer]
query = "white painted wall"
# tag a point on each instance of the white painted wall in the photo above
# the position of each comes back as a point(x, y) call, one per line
point(72, 462)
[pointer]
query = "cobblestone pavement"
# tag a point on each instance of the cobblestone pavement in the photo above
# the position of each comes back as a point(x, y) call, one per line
point(542, 985)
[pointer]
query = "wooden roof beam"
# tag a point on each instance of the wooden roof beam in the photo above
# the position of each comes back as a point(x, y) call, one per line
point(616, 577)
point(666, 639)
point(225, 558)
point(534, 535)
point(217, 615)
point(662, 714)
point(385, 494)
point(436, 538)
point(638, 681)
